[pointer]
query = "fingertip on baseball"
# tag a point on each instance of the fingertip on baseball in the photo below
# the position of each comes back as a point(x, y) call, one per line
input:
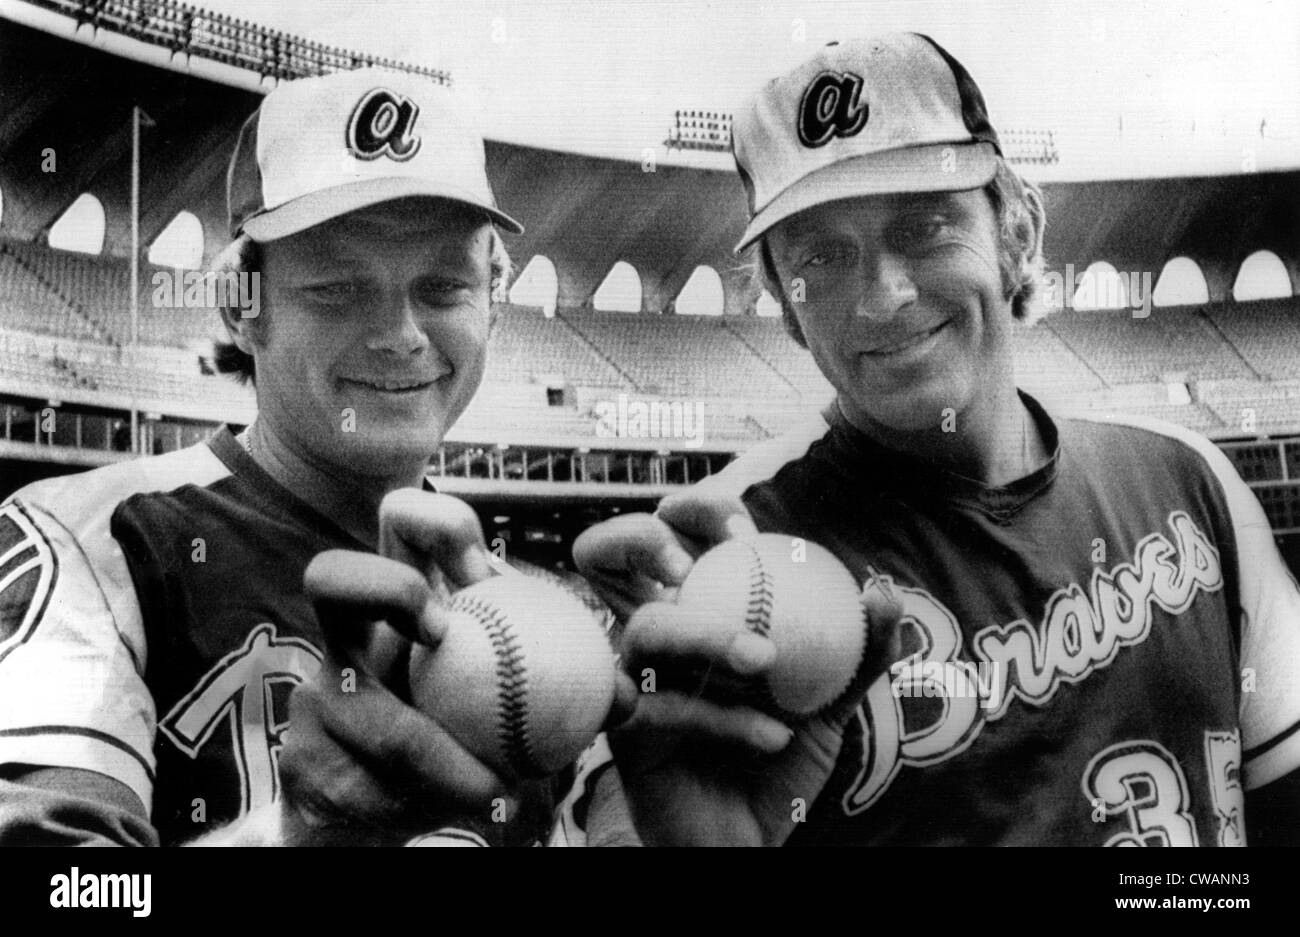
point(662, 629)
point(750, 653)
point(626, 697)
point(432, 622)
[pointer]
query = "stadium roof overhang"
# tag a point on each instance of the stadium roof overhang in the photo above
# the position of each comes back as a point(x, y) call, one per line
point(583, 213)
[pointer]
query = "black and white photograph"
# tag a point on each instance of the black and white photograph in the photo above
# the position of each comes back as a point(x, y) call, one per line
point(431, 423)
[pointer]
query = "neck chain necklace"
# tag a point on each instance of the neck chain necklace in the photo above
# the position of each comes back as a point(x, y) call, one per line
point(246, 439)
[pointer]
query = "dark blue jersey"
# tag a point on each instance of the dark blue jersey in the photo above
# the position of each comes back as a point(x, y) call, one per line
point(152, 625)
point(1102, 652)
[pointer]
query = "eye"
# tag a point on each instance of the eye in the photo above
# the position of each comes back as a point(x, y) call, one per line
point(441, 291)
point(334, 292)
point(919, 232)
point(828, 255)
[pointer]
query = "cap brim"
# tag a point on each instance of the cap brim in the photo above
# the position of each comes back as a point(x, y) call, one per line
point(318, 207)
point(936, 167)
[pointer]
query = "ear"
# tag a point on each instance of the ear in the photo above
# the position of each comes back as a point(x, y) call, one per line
point(239, 328)
point(241, 316)
point(770, 277)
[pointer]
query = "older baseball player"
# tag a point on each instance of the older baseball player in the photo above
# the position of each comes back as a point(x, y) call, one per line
point(149, 646)
point(1097, 639)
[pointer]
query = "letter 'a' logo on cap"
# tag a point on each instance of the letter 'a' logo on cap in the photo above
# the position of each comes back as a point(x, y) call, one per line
point(382, 125)
point(831, 108)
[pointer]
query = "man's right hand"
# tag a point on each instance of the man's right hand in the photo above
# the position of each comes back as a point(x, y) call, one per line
point(360, 763)
point(699, 772)
point(695, 771)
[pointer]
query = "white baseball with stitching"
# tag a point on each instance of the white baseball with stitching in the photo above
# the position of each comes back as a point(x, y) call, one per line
point(798, 594)
point(524, 677)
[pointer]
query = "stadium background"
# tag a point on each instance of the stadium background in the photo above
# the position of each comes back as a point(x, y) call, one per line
point(150, 93)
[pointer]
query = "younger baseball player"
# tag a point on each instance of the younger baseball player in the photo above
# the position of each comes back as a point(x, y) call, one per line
point(1098, 637)
point(152, 636)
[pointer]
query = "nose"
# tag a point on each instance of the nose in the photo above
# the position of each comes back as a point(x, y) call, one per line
point(396, 329)
point(886, 286)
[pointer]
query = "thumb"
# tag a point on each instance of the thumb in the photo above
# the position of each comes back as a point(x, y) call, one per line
point(884, 614)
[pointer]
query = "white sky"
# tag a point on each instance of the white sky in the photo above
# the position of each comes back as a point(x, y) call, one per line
point(605, 77)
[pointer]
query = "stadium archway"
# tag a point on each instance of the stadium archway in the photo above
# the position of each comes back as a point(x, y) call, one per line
point(81, 227)
point(180, 244)
point(1100, 287)
point(537, 285)
point(1262, 275)
point(620, 291)
point(702, 295)
point(1181, 283)
point(767, 306)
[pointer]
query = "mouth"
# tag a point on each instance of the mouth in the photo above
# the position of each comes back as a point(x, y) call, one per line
point(392, 385)
point(907, 344)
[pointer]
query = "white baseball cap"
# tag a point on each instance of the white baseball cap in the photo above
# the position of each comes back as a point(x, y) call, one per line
point(893, 113)
point(321, 147)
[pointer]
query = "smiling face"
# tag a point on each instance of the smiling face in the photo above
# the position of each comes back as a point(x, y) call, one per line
point(376, 333)
point(903, 308)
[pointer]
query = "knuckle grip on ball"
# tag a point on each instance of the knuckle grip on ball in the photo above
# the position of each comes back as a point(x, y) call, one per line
point(513, 689)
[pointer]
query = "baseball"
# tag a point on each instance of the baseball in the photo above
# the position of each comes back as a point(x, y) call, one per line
point(802, 598)
point(524, 677)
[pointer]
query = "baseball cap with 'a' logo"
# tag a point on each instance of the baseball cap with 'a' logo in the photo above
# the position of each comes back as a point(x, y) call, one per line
point(893, 113)
point(321, 147)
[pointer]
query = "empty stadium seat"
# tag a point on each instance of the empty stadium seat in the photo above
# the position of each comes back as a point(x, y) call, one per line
point(1146, 400)
point(1266, 333)
point(1255, 406)
point(527, 347)
point(1126, 350)
point(768, 339)
point(28, 301)
point(1047, 368)
point(64, 325)
point(680, 356)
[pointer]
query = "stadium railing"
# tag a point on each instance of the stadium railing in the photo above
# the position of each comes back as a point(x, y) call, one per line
point(187, 30)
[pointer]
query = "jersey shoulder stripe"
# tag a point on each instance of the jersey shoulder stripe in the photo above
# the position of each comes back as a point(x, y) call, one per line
point(74, 652)
point(83, 500)
point(73, 514)
point(1200, 445)
point(87, 733)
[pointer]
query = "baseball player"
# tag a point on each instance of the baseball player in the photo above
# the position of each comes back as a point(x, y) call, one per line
point(153, 619)
point(1096, 637)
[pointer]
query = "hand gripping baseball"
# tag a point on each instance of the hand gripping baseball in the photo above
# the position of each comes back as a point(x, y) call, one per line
point(633, 559)
point(709, 769)
point(699, 772)
point(360, 763)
